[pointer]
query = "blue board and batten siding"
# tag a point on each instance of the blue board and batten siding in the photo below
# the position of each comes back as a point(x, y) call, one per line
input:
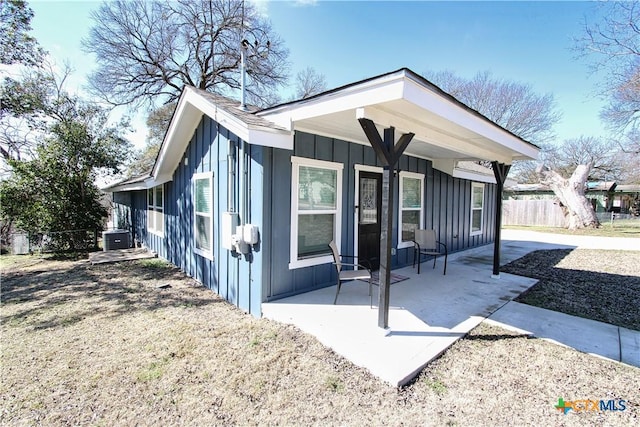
point(447, 210)
point(264, 274)
point(235, 277)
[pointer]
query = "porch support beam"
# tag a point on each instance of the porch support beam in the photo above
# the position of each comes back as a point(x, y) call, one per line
point(388, 152)
point(500, 170)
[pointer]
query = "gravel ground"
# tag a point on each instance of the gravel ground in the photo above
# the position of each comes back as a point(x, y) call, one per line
point(105, 345)
point(601, 285)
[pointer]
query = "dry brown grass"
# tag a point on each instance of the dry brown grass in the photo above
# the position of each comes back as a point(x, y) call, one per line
point(602, 285)
point(103, 345)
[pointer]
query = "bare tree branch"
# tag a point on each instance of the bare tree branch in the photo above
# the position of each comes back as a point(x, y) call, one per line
point(512, 105)
point(147, 51)
point(613, 46)
point(309, 82)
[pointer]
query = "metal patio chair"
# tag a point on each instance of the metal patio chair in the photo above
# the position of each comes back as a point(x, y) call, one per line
point(348, 275)
point(425, 243)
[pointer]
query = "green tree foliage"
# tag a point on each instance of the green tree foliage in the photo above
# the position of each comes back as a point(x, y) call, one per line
point(16, 45)
point(55, 191)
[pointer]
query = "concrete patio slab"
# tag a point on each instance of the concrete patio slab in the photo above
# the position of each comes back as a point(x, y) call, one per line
point(429, 312)
point(118, 255)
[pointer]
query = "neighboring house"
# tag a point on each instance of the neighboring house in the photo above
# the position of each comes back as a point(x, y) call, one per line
point(301, 174)
point(605, 196)
point(625, 199)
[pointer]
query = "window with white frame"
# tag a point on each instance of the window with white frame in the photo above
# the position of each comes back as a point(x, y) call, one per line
point(477, 208)
point(155, 210)
point(203, 213)
point(411, 215)
point(316, 206)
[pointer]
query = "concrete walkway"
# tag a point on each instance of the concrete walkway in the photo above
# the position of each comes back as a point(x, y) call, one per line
point(118, 255)
point(430, 311)
point(589, 336)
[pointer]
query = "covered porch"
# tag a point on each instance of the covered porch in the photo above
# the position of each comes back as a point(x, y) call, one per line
point(428, 312)
point(401, 113)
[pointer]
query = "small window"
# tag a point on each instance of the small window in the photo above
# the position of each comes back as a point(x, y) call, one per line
point(477, 205)
point(316, 204)
point(155, 210)
point(411, 204)
point(203, 214)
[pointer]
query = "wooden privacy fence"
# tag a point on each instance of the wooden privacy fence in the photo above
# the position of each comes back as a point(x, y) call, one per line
point(532, 212)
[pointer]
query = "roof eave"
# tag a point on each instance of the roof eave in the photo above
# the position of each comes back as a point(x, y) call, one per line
point(189, 111)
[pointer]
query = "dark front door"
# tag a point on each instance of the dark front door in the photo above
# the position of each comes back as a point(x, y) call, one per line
point(369, 206)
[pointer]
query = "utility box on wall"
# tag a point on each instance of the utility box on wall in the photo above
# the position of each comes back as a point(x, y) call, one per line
point(230, 221)
point(115, 239)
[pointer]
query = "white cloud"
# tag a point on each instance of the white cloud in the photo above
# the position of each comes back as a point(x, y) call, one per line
point(262, 6)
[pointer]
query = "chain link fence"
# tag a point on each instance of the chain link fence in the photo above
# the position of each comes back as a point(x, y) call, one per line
point(52, 242)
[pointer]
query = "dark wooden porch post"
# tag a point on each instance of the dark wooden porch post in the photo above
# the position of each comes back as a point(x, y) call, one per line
point(389, 153)
point(500, 170)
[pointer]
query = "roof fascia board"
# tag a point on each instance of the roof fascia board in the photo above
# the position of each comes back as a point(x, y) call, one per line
point(368, 93)
point(270, 138)
point(189, 112)
point(177, 131)
point(424, 97)
point(125, 187)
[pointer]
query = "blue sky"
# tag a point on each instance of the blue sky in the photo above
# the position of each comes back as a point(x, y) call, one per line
point(528, 42)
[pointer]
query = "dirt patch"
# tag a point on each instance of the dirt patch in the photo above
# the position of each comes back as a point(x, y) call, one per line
point(112, 345)
point(596, 284)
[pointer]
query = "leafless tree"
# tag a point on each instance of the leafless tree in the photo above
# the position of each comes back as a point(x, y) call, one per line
point(147, 51)
point(613, 47)
point(571, 164)
point(309, 82)
point(630, 157)
point(570, 194)
point(512, 105)
point(601, 153)
point(157, 124)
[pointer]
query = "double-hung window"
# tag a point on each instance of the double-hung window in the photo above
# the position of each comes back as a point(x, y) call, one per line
point(155, 210)
point(411, 215)
point(203, 213)
point(316, 206)
point(477, 207)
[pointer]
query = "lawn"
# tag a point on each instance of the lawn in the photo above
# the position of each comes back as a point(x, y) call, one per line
point(617, 228)
point(139, 343)
point(602, 285)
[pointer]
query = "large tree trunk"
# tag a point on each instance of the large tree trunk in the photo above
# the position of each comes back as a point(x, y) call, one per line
point(570, 193)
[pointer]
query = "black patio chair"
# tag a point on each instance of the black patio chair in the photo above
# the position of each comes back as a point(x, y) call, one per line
point(364, 273)
point(425, 243)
